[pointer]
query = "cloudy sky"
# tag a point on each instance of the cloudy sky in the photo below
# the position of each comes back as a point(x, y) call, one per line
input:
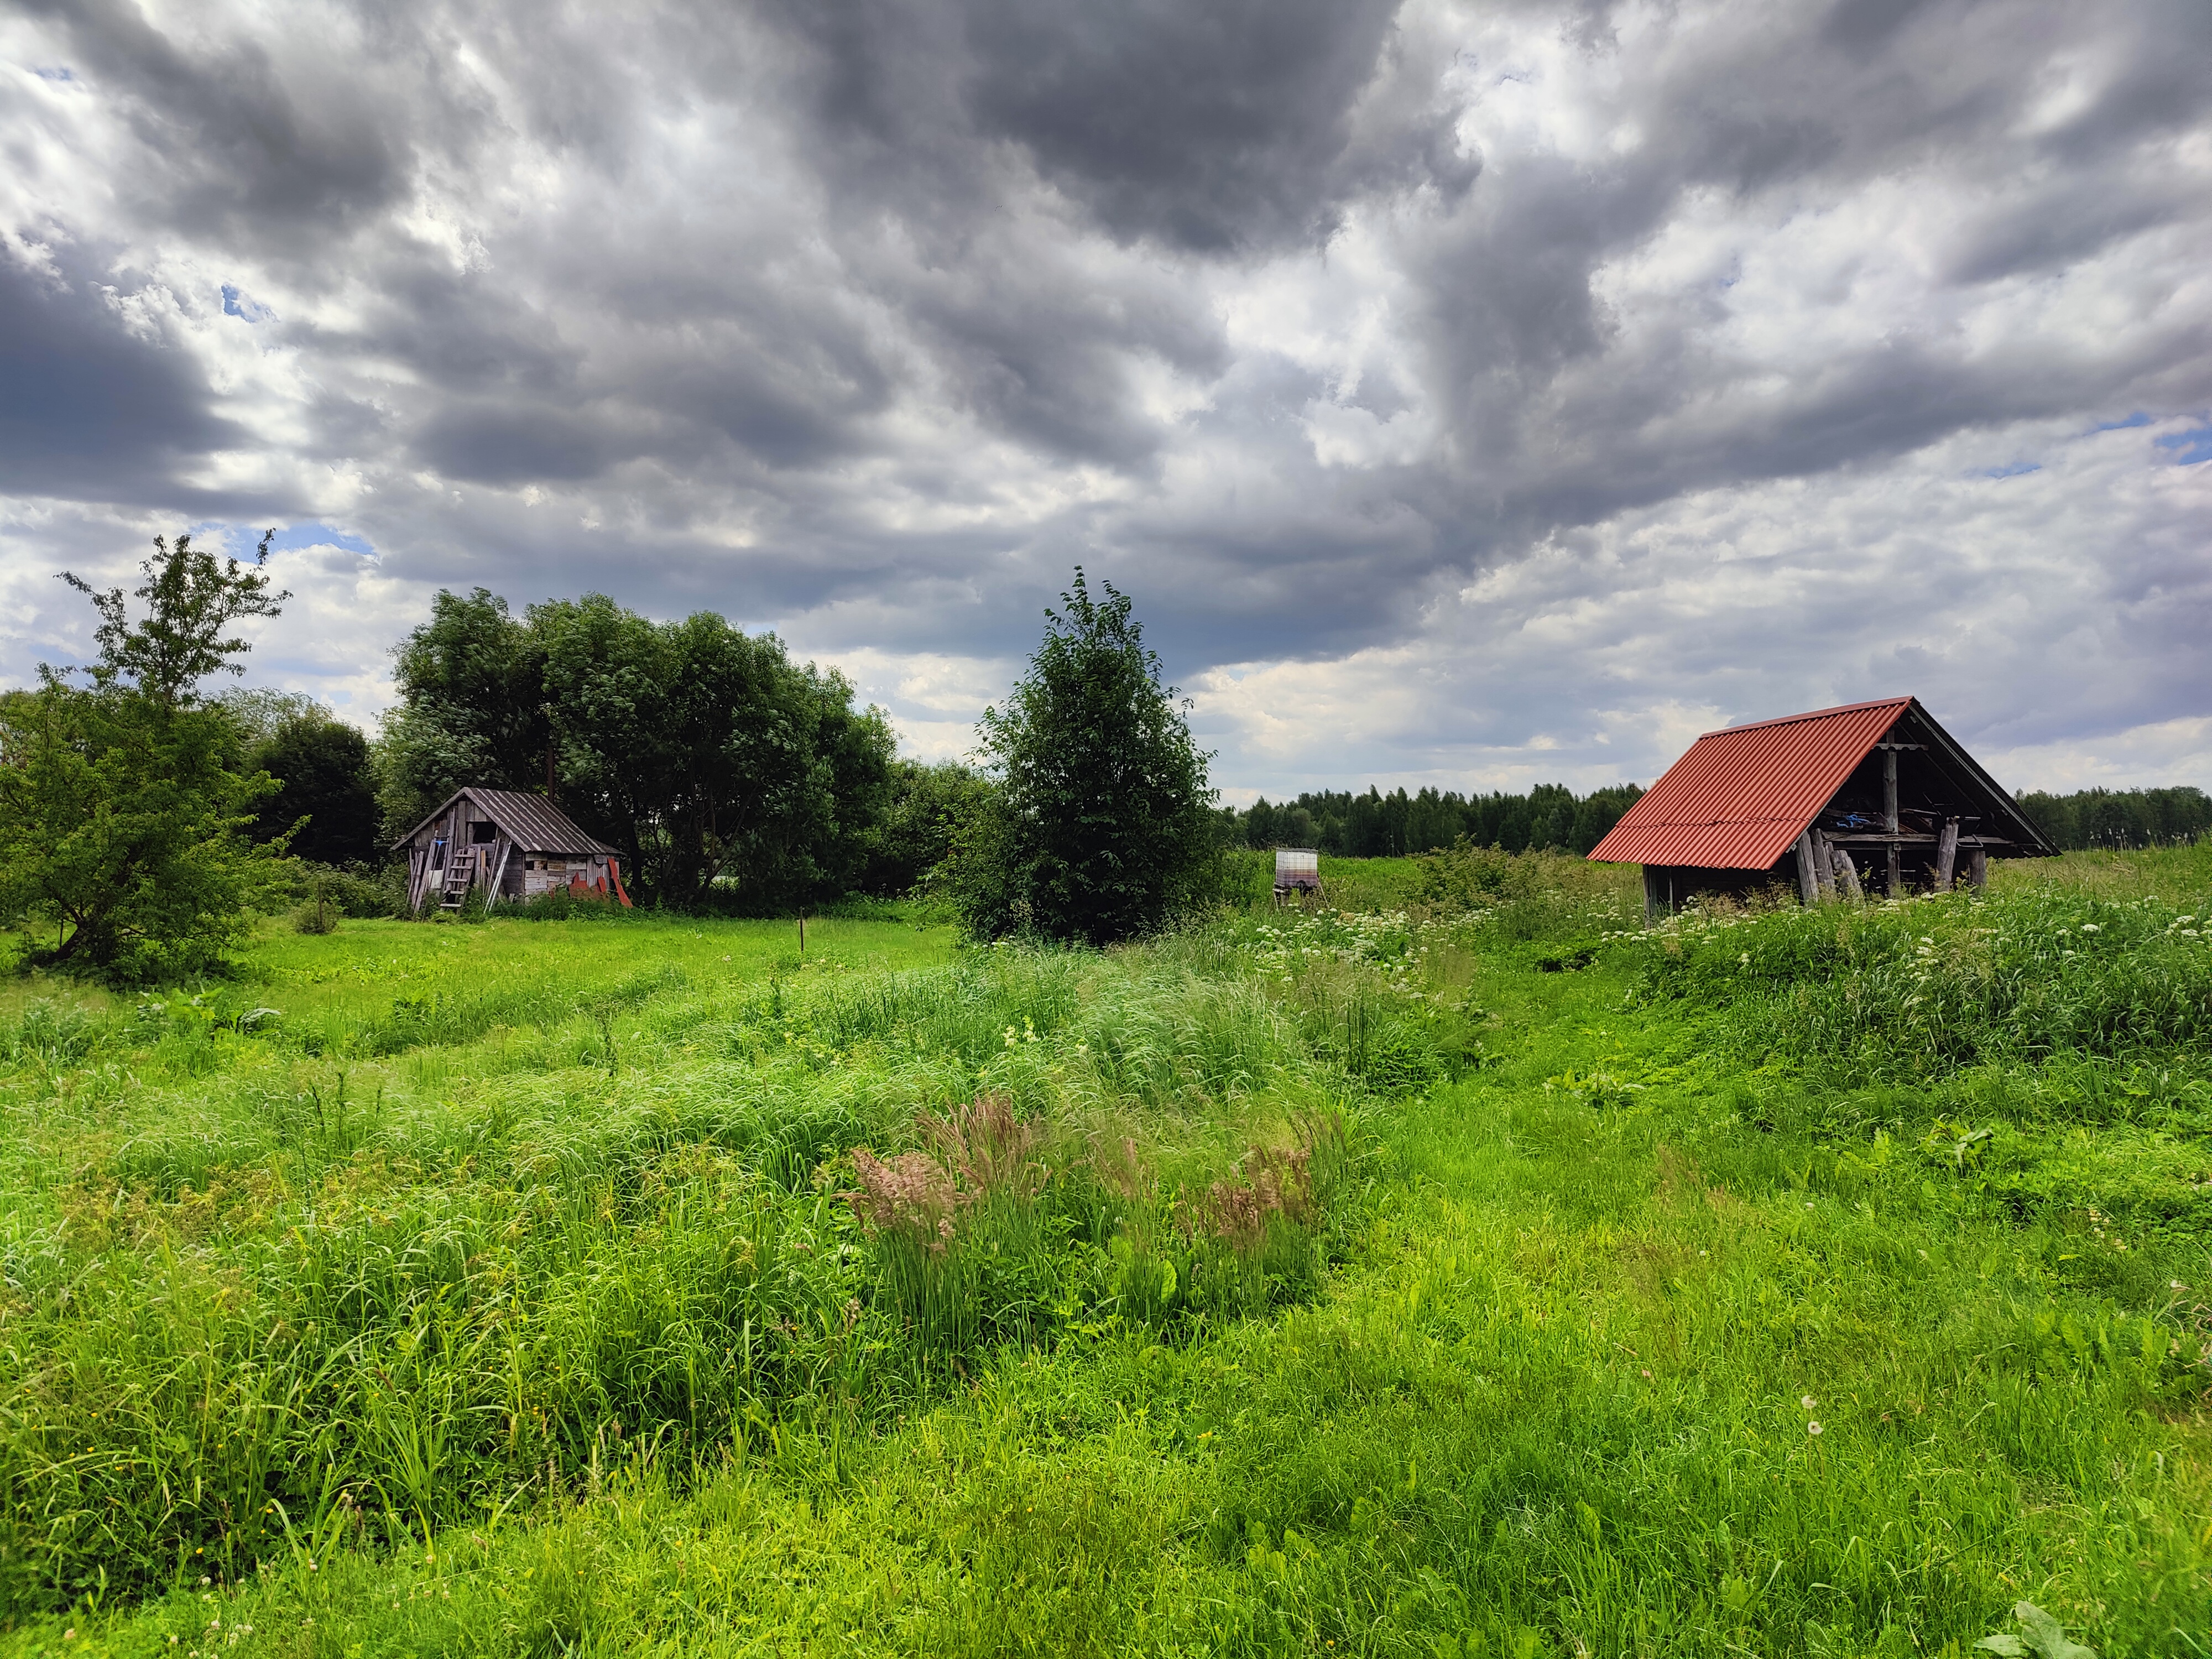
point(1475, 394)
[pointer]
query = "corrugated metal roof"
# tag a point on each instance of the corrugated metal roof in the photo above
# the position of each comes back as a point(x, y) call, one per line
point(532, 822)
point(1742, 797)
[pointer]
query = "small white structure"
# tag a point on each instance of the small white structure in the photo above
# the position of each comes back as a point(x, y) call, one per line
point(513, 846)
point(1298, 869)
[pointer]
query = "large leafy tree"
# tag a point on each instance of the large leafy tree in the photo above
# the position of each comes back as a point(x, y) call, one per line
point(124, 804)
point(325, 800)
point(705, 754)
point(471, 708)
point(1103, 826)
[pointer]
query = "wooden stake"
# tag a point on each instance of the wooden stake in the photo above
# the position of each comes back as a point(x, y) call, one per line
point(1808, 883)
point(1978, 868)
point(1889, 819)
point(1947, 854)
point(1824, 864)
point(1847, 876)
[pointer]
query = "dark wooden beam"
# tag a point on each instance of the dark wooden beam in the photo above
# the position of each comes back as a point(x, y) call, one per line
point(1808, 883)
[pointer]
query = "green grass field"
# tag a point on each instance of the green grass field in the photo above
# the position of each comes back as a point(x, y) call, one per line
point(1492, 1278)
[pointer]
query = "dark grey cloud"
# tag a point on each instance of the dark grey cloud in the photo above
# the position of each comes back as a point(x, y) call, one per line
point(93, 410)
point(1300, 317)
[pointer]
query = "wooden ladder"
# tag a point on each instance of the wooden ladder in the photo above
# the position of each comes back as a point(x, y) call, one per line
point(460, 871)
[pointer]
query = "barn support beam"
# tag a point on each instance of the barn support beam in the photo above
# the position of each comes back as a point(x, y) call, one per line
point(1977, 868)
point(1889, 821)
point(1847, 876)
point(1947, 855)
point(1824, 864)
point(1808, 879)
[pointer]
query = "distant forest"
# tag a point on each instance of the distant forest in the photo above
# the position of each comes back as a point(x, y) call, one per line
point(2120, 818)
point(1552, 816)
point(1377, 825)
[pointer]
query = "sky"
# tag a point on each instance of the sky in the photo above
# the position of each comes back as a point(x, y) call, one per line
point(1473, 395)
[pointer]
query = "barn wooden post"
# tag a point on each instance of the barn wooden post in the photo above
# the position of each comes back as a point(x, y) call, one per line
point(1947, 854)
point(1977, 868)
point(1808, 883)
point(1847, 876)
point(1889, 819)
point(1650, 896)
point(1824, 864)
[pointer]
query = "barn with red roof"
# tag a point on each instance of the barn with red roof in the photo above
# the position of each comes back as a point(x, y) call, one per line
point(1869, 797)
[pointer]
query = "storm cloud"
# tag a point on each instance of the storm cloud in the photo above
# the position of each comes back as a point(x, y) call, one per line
point(1467, 394)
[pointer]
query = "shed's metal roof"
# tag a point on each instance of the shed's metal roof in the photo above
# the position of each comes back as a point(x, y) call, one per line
point(1742, 797)
point(532, 822)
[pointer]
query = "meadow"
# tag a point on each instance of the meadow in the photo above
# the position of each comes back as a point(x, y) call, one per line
point(1453, 1268)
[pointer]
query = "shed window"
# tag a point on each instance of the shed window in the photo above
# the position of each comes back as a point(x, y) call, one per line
point(482, 834)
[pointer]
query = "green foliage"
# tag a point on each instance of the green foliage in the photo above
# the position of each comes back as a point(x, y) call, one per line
point(190, 599)
point(120, 830)
point(1633, 1339)
point(2042, 1638)
point(722, 770)
point(472, 709)
point(930, 809)
point(1377, 825)
point(321, 766)
point(1922, 987)
point(407, 1318)
point(1101, 828)
point(121, 806)
point(2120, 818)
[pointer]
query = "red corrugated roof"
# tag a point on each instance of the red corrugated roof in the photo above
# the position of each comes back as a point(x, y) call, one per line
point(1741, 797)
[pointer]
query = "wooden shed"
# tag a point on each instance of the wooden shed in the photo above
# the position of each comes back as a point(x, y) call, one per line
point(1870, 797)
point(511, 845)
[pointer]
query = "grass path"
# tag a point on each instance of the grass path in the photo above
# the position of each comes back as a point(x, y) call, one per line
point(1613, 1371)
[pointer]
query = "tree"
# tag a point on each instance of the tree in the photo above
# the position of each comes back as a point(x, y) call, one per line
point(703, 753)
point(190, 599)
point(929, 810)
point(1103, 826)
point(472, 709)
point(322, 774)
point(122, 804)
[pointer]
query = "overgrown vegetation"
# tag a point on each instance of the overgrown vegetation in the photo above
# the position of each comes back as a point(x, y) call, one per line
point(1472, 1274)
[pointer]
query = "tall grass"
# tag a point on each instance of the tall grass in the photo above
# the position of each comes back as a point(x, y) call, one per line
point(322, 1312)
point(1924, 988)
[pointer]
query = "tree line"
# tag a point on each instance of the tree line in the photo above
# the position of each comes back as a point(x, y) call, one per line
point(1377, 825)
point(2120, 818)
point(142, 819)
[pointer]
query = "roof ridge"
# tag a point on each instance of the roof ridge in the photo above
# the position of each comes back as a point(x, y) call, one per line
point(1811, 714)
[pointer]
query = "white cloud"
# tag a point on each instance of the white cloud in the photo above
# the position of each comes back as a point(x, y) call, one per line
point(1466, 396)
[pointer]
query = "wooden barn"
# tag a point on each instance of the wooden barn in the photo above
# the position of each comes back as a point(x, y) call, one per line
point(511, 845)
point(1873, 797)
